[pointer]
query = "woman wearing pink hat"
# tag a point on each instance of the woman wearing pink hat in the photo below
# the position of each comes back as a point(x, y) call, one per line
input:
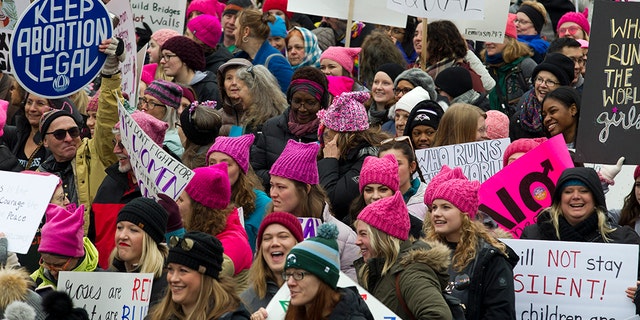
point(481, 270)
point(341, 62)
point(246, 190)
point(205, 206)
point(574, 25)
point(151, 71)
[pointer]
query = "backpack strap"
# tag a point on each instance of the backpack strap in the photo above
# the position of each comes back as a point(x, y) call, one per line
point(266, 62)
point(401, 299)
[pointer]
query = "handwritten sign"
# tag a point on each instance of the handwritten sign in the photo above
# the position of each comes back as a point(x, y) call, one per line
point(491, 29)
point(11, 11)
point(441, 9)
point(160, 14)
point(372, 11)
point(277, 308)
point(125, 31)
point(56, 45)
point(309, 226)
point(514, 196)
point(609, 127)
point(478, 160)
point(21, 211)
point(109, 295)
point(155, 170)
point(573, 280)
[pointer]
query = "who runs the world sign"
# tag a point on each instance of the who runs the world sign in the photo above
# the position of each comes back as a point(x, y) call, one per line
point(55, 45)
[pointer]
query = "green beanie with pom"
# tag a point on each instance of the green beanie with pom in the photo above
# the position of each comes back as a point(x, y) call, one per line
point(318, 255)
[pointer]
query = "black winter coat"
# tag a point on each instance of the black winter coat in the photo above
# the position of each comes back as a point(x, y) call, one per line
point(64, 170)
point(217, 58)
point(15, 138)
point(351, 306)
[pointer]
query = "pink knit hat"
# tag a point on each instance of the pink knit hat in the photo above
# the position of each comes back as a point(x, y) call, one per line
point(346, 113)
point(345, 57)
point(339, 84)
point(93, 102)
point(521, 145)
point(511, 30)
point(206, 28)
point(4, 105)
point(210, 186)
point(577, 18)
point(298, 162)
point(235, 147)
point(62, 232)
point(162, 35)
point(153, 127)
point(462, 193)
point(204, 7)
point(382, 171)
point(497, 125)
point(148, 73)
point(584, 44)
point(389, 215)
point(445, 174)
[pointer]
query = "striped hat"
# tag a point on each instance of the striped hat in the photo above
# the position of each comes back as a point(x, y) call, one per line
point(318, 255)
point(168, 93)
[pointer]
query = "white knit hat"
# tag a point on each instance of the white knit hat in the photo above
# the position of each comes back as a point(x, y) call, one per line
point(411, 98)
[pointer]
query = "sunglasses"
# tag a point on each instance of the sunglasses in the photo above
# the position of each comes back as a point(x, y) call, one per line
point(60, 134)
point(186, 244)
point(406, 139)
point(55, 267)
point(572, 30)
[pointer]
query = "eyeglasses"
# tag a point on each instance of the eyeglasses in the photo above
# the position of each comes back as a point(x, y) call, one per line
point(61, 134)
point(572, 30)
point(310, 104)
point(579, 61)
point(118, 143)
point(406, 139)
point(524, 22)
point(396, 31)
point(548, 83)
point(186, 244)
point(404, 91)
point(55, 267)
point(168, 57)
point(297, 275)
point(150, 104)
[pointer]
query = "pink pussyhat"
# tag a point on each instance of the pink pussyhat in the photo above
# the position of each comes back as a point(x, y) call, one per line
point(382, 171)
point(62, 233)
point(235, 147)
point(298, 162)
point(346, 113)
point(389, 215)
point(445, 174)
point(461, 193)
point(210, 186)
point(4, 106)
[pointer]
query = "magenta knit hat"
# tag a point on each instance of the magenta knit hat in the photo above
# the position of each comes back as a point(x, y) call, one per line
point(339, 84)
point(298, 162)
point(346, 113)
point(462, 193)
point(206, 28)
point(497, 124)
point(389, 215)
point(62, 232)
point(511, 30)
point(277, 5)
point(153, 127)
point(4, 105)
point(345, 57)
point(167, 92)
point(188, 51)
point(235, 147)
point(210, 186)
point(148, 73)
point(204, 7)
point(578, 18)
point(446, 173)
point(162, 35)
point(382, 171)
point(521, 145)
point(285, 219)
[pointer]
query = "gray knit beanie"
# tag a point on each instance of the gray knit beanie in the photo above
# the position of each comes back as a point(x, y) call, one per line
point(417, 77)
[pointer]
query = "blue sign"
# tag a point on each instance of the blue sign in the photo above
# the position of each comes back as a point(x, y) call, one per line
point(54, 49)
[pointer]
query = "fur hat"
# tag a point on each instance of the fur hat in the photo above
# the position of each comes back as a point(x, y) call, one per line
point(206, 28)
point(389, 215)
point(153, 127)
point(210, 186)
point(497, 124)
point(521, 145)
point(577, 18)
point(235, 147)
point(162, 35)
point(382, 171)
point(148, 215)
point(298, 162)
point(454, 81)
point(188, 51)
point(62, 233)
point(58, 305)
point(559, 65)
point(347, 113)
point(284, 219)
point(318, 255)
point(418, 78)
point(277, 5)
point(581, 176)
point(198, 251)
point(167, 92)
point(345, 57)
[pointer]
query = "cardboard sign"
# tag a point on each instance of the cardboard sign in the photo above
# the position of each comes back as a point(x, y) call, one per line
point(478, 160)
point(56, 46)
point(514, 196)
point(21, 211)
point(9, 14)
point(491, 29)
point(610, 121)
point(573, 280)
point(278, 305)
point(441, 9)
point(160, 14)
point(372, 11)
point(109, 295)
point(155, 170)
point(125, 30)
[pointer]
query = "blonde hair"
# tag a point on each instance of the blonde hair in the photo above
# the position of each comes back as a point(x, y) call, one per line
point(603, 227)
point(152, 256)
point(459, 124)
point(513, 49)
point(384, 246)
point(80, 99)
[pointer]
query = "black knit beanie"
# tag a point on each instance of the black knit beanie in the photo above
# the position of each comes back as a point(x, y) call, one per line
point(148, 215)
point(587, 177)
point(425, 113)
point(198, 251)
point(454, 81)
point(557, 63)
point(393, 70)
point(187, 50)
point(536, 17)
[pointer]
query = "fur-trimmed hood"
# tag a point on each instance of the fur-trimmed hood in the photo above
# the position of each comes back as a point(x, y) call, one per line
point(15, 285)
point(431, 253)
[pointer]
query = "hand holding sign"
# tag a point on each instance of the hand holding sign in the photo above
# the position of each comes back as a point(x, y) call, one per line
point(114, 49)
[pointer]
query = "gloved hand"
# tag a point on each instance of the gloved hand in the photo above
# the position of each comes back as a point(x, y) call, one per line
point(114, 49)
point(609, 172)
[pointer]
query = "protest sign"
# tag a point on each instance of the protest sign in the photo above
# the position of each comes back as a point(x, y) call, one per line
point(160, 14)
point(372, 11)
point(20, 210)
point(155, 169)
point(109, 295)
point(441, 9)
point(309, 226)
point(610, 121)
point(514, 196)
point(277, 308)
point(9, 14)
point(55, 43)
point(573, 280)
point(125, 31)
point(491, 29)
point(478, 160)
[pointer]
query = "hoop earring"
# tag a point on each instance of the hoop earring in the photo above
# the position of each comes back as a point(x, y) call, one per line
point(245, 39)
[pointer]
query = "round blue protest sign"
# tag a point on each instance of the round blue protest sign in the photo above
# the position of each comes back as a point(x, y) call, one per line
point(54, 49)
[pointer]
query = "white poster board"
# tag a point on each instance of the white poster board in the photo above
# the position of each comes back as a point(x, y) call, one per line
point(479, 160)
point(278, 305)
point(108, 295)
point(23, 202)
point(155, 170)
point(442, 9)
point(126, 31)
point(573, 280)
point(491, 29)
point(309, 226)
point(11, 11)
point(372, 11)
point(160, 14)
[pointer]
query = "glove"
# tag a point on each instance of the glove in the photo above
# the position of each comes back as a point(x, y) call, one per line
point(115, 55)
point(609, 172)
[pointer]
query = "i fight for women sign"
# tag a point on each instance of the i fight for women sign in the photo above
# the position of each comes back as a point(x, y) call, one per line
point(54, 49)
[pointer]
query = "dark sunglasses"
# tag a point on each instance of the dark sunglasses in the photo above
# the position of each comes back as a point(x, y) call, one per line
point(60, 134)
point(186, 244)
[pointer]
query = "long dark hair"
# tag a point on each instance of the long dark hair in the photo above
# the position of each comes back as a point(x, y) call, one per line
point(630, 212)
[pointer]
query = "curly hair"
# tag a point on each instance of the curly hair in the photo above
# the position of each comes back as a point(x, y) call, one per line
point(268, 100)
point(444, 41)
point(207, 220)
point(242, 194)
point(377, 49)
point(257, 22)
point(458, 125)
